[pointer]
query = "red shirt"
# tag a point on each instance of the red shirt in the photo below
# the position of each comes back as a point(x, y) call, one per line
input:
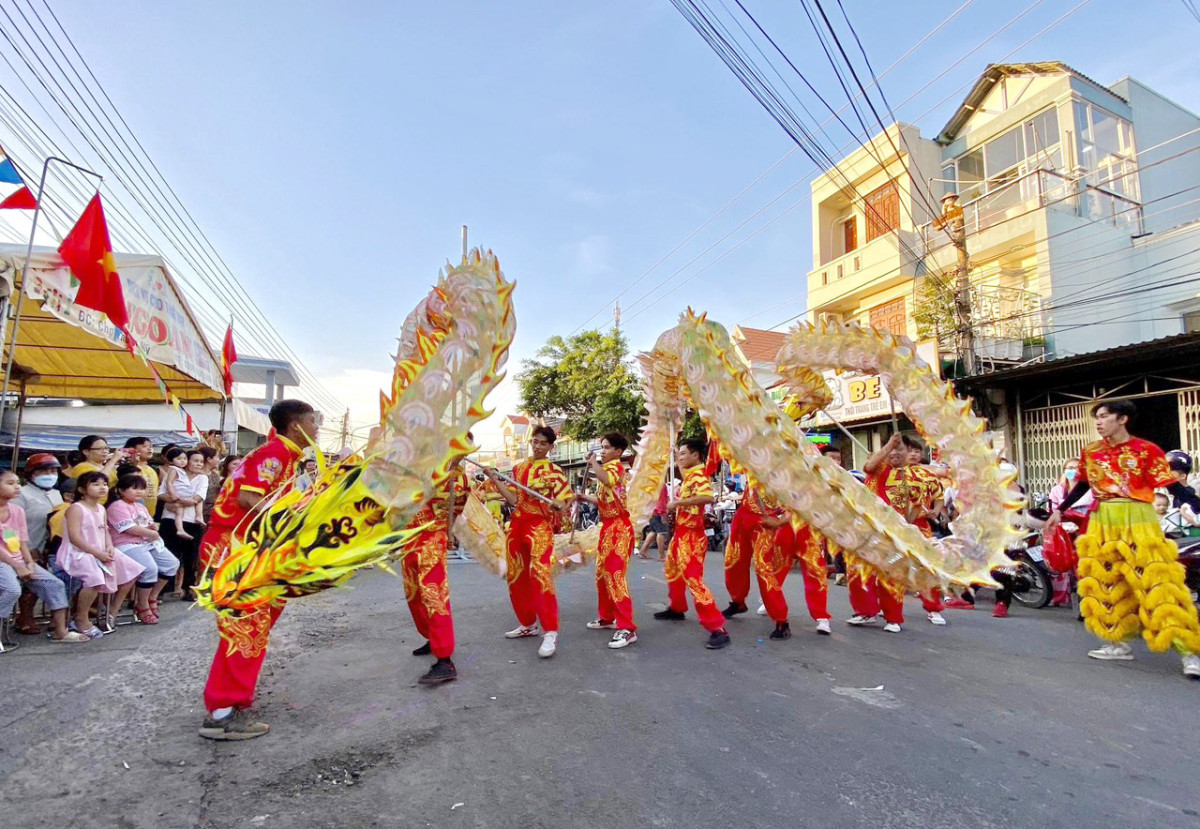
point(695, 483)
point(611, 498)
point(268, 468)
point(546, 479)
point(437, 508)
point(1133, 469)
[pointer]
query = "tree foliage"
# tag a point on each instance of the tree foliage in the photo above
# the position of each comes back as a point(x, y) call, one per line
point(587, 380)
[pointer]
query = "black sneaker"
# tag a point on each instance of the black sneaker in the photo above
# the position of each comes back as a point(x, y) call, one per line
point(734, 609)
point(717, 639)
point(424, 650)
point(670, 615)
point(442, 671)
point(236, 725)
point(782, 631)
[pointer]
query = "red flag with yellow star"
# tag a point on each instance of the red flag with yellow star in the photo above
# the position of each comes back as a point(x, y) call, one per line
point(88, 253)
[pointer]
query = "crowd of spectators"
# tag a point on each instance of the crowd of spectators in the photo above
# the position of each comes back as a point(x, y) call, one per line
point(86, 534)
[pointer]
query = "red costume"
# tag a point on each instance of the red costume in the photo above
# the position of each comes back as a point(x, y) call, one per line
point(794, 541)
point(870, 592)
point(423, 566)
point(616, 545)
point(243, 646)
point(748, 539)
point(531, 543)
point(685, 559)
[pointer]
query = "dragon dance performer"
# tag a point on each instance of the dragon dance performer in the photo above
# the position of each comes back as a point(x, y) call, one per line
point(531, 540)
point(749, 539)
point(891, 476)
point(794, 541)
point(616, 542)
point(1129, 576)
point(685, 559)
point(423, 566)
point(234, 673)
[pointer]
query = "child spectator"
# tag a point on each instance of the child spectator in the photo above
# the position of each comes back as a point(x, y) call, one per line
point(87, 553)
point(187, 510)
point(134, 534)
point(18, 568)
point(174, 484)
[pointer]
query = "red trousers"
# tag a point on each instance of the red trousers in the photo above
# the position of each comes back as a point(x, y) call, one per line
point(530, 571)
point(746, 535)
point(790, 546)
point(870, 593)
point(685, 572)
point(933, 602)
point(427, 590)
point(612, 561)
point(243, 646)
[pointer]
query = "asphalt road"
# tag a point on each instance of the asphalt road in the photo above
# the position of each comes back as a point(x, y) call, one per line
point(983, 723)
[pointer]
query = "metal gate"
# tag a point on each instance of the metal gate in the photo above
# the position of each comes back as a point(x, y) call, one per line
point(1189, 421)
point(1054, 435)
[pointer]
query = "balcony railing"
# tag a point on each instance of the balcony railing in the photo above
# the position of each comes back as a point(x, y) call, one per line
point(1037, 189)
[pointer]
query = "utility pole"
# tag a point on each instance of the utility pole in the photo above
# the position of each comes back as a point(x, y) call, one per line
point(617, 316)
point(955, 225)
point(345, 429)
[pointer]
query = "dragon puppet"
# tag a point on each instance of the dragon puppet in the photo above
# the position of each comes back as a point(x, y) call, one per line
point(694, 366)
point(452, 352)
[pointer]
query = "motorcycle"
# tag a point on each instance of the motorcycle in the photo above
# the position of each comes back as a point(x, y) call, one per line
point(1028, 575)
point(1189, 550)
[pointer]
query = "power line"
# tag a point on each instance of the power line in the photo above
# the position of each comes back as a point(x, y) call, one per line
point(182, 231)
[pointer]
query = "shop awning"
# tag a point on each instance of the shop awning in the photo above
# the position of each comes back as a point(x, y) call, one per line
point(74, 352)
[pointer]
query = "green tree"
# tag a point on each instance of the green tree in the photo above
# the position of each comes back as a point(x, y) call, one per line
point(587, 380)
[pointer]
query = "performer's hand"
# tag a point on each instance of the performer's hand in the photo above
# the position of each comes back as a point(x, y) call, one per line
point(1051, 523)
point(672, 505)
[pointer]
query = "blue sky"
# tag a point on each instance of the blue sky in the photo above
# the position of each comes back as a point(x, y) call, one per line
point(332, 151)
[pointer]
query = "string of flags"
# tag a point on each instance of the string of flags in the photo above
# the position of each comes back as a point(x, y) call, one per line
point(87, 250)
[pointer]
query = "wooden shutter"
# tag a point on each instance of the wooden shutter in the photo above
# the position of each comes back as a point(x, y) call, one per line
point(882, 210)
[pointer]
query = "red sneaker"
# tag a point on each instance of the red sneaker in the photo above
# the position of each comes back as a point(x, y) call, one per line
point(1001, 612)
point(958, 604)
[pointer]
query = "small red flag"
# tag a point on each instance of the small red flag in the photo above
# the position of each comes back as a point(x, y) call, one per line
point(228, 358)
point(88, 253)
point(713, 462)
point(191, 427)
point(21, 200)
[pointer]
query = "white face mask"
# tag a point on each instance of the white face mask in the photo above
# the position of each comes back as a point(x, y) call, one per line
point(45, 481)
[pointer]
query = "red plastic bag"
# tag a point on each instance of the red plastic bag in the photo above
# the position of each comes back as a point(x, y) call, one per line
point(1059, 551)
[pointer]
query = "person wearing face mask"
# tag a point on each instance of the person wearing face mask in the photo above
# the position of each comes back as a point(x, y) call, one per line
point(1066, 482)
point(38, 499)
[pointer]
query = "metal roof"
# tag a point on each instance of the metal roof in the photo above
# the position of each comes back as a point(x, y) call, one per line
point(991, 76)
point(1122, 361)
point(255, 369)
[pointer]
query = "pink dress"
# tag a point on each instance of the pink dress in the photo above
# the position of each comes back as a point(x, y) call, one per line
point(98, 575)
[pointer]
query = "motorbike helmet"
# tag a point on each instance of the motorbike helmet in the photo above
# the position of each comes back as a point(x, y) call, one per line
point(1179, 461)
point(41, 460)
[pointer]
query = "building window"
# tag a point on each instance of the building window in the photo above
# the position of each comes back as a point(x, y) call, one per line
point(1106, 150)
point(882, 210)
point(890, 317)
point(849, 235)
point(1034, 145)
point(1191, 322)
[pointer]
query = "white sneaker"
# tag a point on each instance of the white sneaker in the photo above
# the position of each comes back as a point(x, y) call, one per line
point(1191, 666)
point(935, 618)
point(859, 620)
point(823, 627)
point(1118, 651)
point(762, 610)
point(601, 624)
point(892, 627)
point(549, 645)
point(622, 639)
point(523, 632)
